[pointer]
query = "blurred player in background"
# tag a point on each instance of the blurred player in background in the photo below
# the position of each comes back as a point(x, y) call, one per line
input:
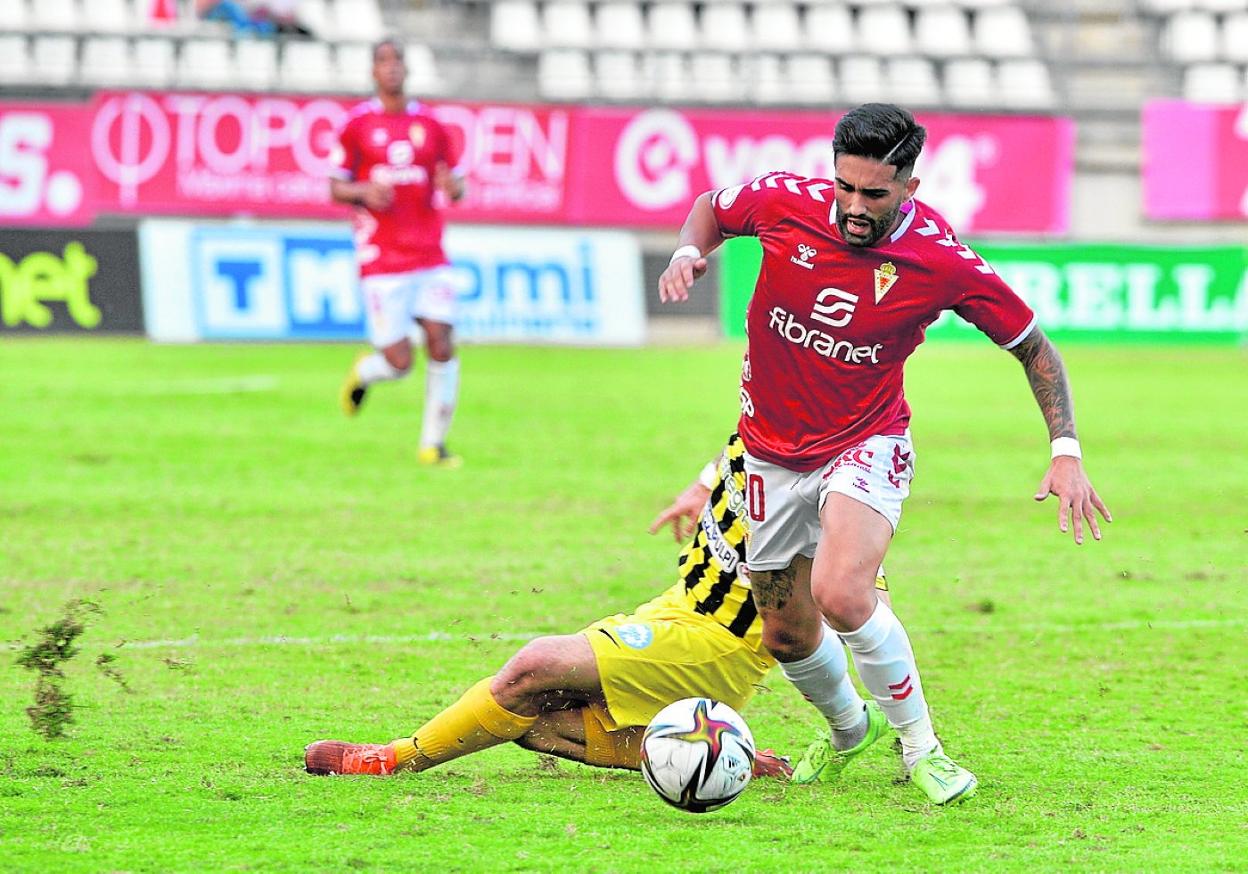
point(844, 295)
point(589, 696)
point(393, 158)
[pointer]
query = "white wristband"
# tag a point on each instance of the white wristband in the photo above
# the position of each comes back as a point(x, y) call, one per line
point(689, 251)
point(1066, 446)
point(709, 475)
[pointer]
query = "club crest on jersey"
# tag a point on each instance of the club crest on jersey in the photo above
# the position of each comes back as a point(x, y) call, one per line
point(416, 133)
point(804, 254)
point(885, 278)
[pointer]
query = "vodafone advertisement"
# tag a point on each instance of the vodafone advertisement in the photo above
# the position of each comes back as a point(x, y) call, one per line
point(196, 154)
point(1195, 161)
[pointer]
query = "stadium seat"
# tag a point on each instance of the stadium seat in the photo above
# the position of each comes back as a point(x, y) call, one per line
point(108, 16)
point(912, 81)
point(671, 26)
point(154, 65)
point(620, 25)
point(775, 27)
point(564, 74)
point(314, 15)
point(617, 75)
point(942, 32)
point(106, 61)
point(1165, 7)
point(829, 29)
point(724, 27)
point(53, 59)
point(1025, 83)
point(884, 30)
point(1221, 5)
point(566, 24)
point(14, 17)
point(765, 80)
point(969, 82)
point(514, 25)
point(422, 70)
point(353, 65)
point(862, 80)
point(54, 15)
point(1003, 32)
point(306, 66)
point(714, 78)
point(810, 79)
point(1212, 83)
point(255, 64)
point(357, 20)
point(205, 63)
point(1234, 33)
point(668, 73)
point(1191, 36)
point(14, 58)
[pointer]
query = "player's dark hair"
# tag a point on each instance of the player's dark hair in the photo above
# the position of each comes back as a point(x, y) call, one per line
point(391, 41)
point(882, 131)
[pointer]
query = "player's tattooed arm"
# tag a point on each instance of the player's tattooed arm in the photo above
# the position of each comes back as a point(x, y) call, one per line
point(773, 589)
point(1047, 375)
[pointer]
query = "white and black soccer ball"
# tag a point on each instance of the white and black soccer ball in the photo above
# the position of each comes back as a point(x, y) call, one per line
point(697, 754)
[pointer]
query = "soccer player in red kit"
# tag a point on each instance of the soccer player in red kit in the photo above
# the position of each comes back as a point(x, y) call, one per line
point(393, 157)
point(854, 270)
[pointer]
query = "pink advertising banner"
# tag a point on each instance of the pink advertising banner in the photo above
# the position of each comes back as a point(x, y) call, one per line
point(1195, 161)
point(202, 154)
point(987, 174)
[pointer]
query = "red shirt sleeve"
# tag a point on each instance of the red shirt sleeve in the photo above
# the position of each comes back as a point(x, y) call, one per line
point(448, 149)
point(992, 306)
point(746, 210)
point(345, 157)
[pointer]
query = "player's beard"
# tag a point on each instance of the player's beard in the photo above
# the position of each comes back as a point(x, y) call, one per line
point(879, 226)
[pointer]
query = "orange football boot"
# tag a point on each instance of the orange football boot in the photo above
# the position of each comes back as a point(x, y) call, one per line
point(340, 757)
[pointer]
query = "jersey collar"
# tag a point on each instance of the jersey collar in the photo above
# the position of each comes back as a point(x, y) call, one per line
point(910, 212)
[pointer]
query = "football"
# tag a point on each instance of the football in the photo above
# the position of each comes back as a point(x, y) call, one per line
point(697, 754)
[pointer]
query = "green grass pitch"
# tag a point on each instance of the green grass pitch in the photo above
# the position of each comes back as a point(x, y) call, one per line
point(272, 573)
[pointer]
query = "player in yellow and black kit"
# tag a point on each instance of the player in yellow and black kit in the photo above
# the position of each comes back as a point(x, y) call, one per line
point(588, 696)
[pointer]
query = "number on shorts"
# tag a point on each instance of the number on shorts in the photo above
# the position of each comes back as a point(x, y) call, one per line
point(755, 498)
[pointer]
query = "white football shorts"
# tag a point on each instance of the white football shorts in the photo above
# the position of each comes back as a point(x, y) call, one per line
point(784, 505)
point(393, 300)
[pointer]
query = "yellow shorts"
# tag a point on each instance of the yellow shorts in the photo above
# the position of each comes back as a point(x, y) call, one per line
point(664, 651)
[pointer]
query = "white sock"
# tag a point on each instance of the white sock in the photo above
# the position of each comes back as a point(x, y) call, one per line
point(441, 393)
point(823, 678)
point(375, 368)
point(886, 665)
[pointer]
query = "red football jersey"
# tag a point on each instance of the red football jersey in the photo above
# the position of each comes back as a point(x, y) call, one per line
point(401, 148)
point(831, 325)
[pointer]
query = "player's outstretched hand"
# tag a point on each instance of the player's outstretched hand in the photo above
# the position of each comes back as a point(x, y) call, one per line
point(378, 196)
point(1076, 499)
point(679, 277)
point(683, 512)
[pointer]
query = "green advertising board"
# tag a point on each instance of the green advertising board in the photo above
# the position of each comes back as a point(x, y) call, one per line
point(1083, 291)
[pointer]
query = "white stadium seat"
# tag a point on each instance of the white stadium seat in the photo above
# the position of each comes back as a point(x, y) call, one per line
point(1025, 83)
point(671, 26)
point(53, 59)
point(1003, 32)
point(14, 58)
point(357, 20)
point(776, 27)
point(1212, 83)
point(1234, 35)
point(810, 78)
point(714, 78)
point(620, 25)
point(255, 64)
point(942, 32)
point(564, 74)
point(1220, 5)
point(884, 30)
point(862, 80)
point(206, 63)
point(765, 79)
point(422, 70)
point(829, 29)
point(912, 81)
point(54, 15)
point(353, 65)
point(154, 65)
point(106, 61)
point(566, 23)
point(306, 66)
point(669, 77)
point(14, 16)
point(1191, 36)
point(724, 27)
point(969, 82)
point(617, 75)
point(314, 15)
point(108, 16)
point(514, 25)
